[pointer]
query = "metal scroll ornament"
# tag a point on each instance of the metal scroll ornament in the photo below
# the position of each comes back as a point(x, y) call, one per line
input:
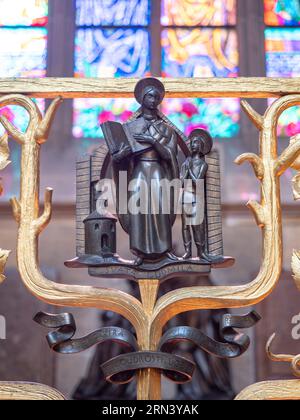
point(122, 369)
point(165, 174)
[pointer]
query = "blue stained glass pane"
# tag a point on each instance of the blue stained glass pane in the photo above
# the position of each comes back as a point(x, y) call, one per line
point(112, 53)
point(283, 60)
point(112, 12)
point(283, 52)
point(200, 53)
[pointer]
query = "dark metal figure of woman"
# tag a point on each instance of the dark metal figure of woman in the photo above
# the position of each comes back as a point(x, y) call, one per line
point(150, 230)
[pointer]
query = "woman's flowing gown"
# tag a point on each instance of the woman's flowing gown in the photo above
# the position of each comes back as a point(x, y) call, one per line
point(150, 229)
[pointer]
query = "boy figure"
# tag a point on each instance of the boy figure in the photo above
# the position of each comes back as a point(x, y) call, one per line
point(193, 174)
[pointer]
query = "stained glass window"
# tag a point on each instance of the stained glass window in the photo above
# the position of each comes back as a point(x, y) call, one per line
point(111, 53)
point(199, 53)
point(90, 113)
point(113, 12)
point(283, 52)
point(282, 12)
point(23, 53)
point(118, 47)
point(203, 52)
point(23, 50)
point(195, 12)
point(23, 12)
point(220, 116)
point(113, 41)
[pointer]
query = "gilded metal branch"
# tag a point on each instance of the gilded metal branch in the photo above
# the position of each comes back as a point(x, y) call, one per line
point(35, 116)
point(296, 186)
point(255, 117)
point(23, 391)
point(4, 161)
point(275, 390)
point(296, 267)
point(4, 152)
point(296, 164)
point(43, 130)
point(293, 360)
point(16, 208)
point(271, 391)
point(288, 157)
point(12, 130)
point(42, 222)
point(4, 254)
point(255, 161)
point(258, 212)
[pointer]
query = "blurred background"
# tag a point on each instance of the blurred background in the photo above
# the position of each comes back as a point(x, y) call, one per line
point(136, 38)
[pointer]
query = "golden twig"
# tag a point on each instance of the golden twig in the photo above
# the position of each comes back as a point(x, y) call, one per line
point(35, 116)
point(16, 208)
point(12, 130)
point(259, 213)
point(43, 130)
point(293, 360)
point(255, 161)
point(42, 222)
point(288, 156)
point(254, 116)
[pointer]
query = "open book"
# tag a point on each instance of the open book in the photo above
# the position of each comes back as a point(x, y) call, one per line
point(118, 135)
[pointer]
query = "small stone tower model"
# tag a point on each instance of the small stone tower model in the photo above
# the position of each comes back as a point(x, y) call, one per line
point(100, 233)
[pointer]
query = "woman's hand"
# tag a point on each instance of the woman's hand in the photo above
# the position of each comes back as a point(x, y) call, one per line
point(144, 138)
point(123, 153)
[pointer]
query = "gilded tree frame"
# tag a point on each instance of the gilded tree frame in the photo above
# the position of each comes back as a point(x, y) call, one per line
point(149, 315)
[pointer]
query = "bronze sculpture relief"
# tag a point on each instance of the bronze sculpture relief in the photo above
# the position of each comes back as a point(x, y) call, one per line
point(151, 159)
point(144, 155)
point(150, 315)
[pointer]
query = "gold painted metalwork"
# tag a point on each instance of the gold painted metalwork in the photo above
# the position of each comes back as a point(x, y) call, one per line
point(271, 391)
point(293, 360)
point(275, 390)
point(4, 162)
point(3, 259)
point(20, 391)
point(150, 315)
